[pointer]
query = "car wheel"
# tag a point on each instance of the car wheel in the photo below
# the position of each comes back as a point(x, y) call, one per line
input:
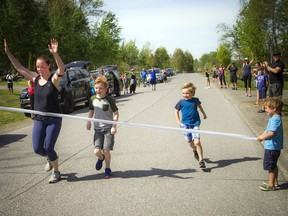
point(68, 104)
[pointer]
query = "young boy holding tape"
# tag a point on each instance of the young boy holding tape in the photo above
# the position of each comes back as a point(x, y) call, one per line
point(189, 106)
point(103, 107)
point(273, 144)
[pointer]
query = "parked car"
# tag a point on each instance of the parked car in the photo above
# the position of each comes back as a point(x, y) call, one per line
point(113, 77)
point(74, 88)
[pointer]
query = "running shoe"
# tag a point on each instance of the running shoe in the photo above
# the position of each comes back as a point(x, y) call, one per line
point(265, 187)
point(55, 177)
point(48, 166)
point(267, 183)
point(107, 173)
point(99, 163)
point(202, 164)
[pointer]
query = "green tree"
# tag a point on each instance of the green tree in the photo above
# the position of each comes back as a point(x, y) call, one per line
point(145, 56)
point(188, 62)
point(178, 59)
point(105, 41)
point(224, 54)
point(161, 58)
point(130, 53)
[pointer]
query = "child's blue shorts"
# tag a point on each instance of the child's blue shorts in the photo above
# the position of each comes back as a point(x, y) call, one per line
point(270, 159)
point(189, 137)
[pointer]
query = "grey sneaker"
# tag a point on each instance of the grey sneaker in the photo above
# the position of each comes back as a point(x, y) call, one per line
point(265, 187)
point(202, 164)
point(267, 183)
point(55, 177)
point(48, 166)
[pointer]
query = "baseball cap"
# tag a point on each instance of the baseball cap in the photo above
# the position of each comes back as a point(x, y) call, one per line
point(246, 59)
point(276, 53)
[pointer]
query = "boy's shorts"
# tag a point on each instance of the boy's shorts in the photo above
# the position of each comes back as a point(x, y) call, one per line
point(189, 137)
point(262, 94)
point(270, 159)
point(103, 139)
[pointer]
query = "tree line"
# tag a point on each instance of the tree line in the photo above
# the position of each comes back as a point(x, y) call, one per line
point(261, 27)
point(84, 31)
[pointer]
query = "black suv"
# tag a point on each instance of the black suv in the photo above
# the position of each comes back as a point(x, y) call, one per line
point(74, 88)
point(113, 77)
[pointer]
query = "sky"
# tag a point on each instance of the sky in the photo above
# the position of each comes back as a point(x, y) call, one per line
point(186, 24)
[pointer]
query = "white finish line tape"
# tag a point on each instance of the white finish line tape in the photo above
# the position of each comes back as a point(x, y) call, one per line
point(238, 136)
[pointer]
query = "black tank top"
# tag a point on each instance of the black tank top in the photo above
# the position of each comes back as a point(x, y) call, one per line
point(46, 96)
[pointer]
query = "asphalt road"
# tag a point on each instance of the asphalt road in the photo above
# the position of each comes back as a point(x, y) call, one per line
point(154, 171)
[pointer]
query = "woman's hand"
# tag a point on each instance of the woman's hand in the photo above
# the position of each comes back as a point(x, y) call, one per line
point(53, 46)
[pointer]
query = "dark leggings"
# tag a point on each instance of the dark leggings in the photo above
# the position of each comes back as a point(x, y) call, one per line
point(247, 80)
point(44, 136)
point(222, 80)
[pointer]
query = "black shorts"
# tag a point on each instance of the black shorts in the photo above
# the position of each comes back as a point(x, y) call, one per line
point(233, 78)
point(276, 90)
point(270, 159)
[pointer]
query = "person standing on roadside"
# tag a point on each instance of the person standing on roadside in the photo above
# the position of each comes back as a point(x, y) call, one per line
point(153, 80)
point(247, 75)
point(273, 142)
point(9, 79)
point(221, 74)
point(233, 75)
point(215, 73)
point(143, 75)
point(46, 129)
point(133, 82)
point(207, 78)
point(276, 79)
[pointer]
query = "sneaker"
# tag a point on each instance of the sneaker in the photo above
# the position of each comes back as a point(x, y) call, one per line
point(261, 111)
point(107, 173)
point(99, 163)
point(48, 166)
point(55, 177)
point(267, 183)
point(196, 155)
point(202, 164)
point(266, 187)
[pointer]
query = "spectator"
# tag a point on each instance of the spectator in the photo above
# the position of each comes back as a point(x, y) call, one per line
point(153, 80)
point(221, 74)
point(207, 72)
point(9, 79)
point(31, 95)
point(262, 83)
point(133, 82)
point(276, 80)
point(247, 75)
point(233, 75)
point(255, 74)
point(125, 83)
point(143, 75)
point(273, 142)
point(215, 73)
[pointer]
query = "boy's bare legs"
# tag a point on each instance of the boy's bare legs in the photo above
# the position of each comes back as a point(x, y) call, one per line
point(107, 158)
point(98, 153)
point(272, 177)
point(199, 149)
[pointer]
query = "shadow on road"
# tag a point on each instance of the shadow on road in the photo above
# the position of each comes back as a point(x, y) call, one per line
point(71, 177)
point(228, 162)
point(7, 139)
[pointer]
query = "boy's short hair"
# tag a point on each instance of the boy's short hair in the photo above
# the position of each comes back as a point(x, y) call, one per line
point(274, 103)
point(101, 79)
point(190, 86)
